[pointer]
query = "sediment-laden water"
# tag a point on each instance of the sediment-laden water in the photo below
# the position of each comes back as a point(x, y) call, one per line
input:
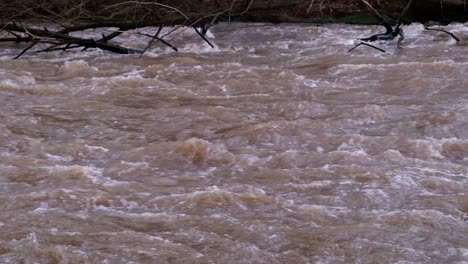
point(276, 146)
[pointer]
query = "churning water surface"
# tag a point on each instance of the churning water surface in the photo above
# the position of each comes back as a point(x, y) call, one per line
point(276, 146)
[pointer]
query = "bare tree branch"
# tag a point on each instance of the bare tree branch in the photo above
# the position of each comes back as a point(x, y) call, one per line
point(445, 31)
point(148, 3)
point(367, 44)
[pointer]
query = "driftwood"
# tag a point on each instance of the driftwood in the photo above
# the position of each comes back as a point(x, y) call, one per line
point(60, 40)
point(77, 15)
point(390, 33)
point(72, 16)
point(56, 39)
point(444, 31)
point(369, 45)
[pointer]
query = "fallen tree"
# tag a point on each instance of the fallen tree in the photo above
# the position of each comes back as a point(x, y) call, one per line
point(67, 17)
point(72, 16)
point(390, 33)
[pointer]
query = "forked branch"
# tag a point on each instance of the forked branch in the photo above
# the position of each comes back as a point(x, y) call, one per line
point(367, 44)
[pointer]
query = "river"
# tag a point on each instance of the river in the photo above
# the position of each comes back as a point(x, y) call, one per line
point(276, 146)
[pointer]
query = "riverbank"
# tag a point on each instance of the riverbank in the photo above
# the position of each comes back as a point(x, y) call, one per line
point(354, 12)
point(208, 11)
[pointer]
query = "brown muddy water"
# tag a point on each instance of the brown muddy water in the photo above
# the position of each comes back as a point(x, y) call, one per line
point(276, 146)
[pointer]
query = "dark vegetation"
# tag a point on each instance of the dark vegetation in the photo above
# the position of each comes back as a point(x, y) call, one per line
point(17, 18)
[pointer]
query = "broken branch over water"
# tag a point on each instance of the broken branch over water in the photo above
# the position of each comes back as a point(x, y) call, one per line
point(71, 16)
point(367, 44)
point(77, 15)
point(56, 39)
point(390, 33)
point(444, 31)
point(60, 40)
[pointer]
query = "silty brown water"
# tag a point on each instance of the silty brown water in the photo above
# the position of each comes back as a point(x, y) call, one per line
point(277, 146)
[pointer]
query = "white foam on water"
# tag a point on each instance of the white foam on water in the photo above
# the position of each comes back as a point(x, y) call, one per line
point(433, 215)
point(225, 217)
point(57, 231)
point(70, 55)
point(215, 196)
point(430, 147)
point(384, 67)
point(93, 173)
point(207, 172)
point(58, 158)
point(326, 168)
point(445, 173)
point(145, 215)
point(129, 204)
point(351, 148)
point(96, 176)
point(78, 65)
point(314, 184)
point(250, 159)
point(98, 148)
point(399, 181)
point(44, 207)
point(377, 195)
point(139, 164)
point(210, 34)
point(18, 82)
point(200, 48)
point(311, 83)
point(158, 51)
point(413, 30)
point(319, 210)
point(32, 237)
point(133, 78)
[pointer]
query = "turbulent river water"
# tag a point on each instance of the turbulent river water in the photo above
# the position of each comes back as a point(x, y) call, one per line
point(276, 146)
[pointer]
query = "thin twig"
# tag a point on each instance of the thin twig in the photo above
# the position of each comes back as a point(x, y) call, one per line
point(403, 14)
point(375, 12)
point(148, 3)
point(158, 38)
point(248, 7)
point(155, 37)
point(26, 49)
point(369, 45)
point(310, 6)
point(445, 31)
